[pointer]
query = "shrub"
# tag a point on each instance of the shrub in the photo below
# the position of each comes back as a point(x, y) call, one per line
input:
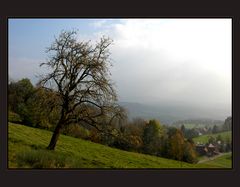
point(76, 131)
point(152, 135)
point(14, 117)
point(189, 153)
point(95, 136)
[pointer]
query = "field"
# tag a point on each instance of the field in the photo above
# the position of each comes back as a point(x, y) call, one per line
point(27, 149)
point(191, 125)
point(205, 138)
point(221, 162)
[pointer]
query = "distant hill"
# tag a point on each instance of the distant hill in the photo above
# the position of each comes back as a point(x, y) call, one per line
point(149, 112)
point(168, 114)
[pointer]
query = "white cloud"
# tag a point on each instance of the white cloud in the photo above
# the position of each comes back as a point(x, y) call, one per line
point(173, 59)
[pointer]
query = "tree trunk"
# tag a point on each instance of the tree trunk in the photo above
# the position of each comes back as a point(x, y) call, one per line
point(55, 136)
point(56, 132)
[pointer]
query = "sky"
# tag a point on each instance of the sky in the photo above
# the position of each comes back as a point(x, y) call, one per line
point(184, 62)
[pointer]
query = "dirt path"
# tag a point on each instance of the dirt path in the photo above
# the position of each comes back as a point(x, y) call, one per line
point(212, 158)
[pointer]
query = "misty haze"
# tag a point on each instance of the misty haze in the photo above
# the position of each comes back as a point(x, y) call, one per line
point(181, 67)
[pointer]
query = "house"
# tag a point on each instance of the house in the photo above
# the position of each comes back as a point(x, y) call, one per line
point(212, 150)
point(201, 149)
point(207, 149)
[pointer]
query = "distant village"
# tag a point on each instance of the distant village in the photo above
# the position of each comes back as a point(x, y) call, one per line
point(212, 149)
point(216, 144)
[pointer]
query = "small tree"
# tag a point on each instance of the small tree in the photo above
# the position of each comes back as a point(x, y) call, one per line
point(227, 126)
point(183, 129)
point(43, 113)
point(176, 149)
point(80, 77)
point(19, 94)
point(152, 134)
point(189, 153)
point(215, 129)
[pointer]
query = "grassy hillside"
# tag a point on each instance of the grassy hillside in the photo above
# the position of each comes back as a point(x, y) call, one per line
point(197, 123)
point(190, 125)
point(27, 150)
point(205, 138)
point(221, 162)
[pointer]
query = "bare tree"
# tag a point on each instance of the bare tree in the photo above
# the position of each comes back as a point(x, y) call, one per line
point(80, 76)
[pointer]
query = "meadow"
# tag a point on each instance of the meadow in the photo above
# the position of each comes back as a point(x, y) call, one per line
point(204, 138)
point(27, 149)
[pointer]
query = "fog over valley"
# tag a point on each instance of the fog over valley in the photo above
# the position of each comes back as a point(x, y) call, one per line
point(168, 69)
point(169, 113)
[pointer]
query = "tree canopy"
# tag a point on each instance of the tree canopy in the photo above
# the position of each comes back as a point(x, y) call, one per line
point(79, 74)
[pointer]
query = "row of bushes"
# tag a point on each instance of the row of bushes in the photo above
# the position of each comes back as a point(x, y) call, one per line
point(150, 138)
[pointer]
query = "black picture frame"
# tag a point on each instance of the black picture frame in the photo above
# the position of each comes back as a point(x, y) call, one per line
point(206, 177)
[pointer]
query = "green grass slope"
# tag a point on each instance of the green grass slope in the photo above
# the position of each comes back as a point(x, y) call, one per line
point(27, 149)
point(224, 161)
point(205, 138)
